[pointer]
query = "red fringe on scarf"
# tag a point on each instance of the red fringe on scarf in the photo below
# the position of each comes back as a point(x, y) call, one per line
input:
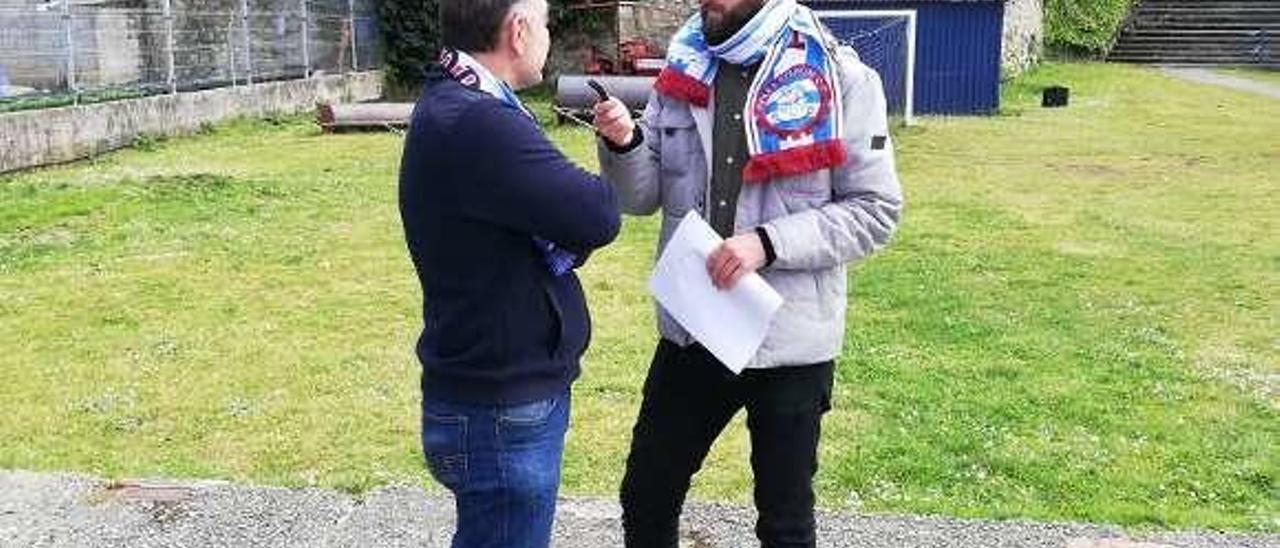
point(679, 85)
point(794, 161)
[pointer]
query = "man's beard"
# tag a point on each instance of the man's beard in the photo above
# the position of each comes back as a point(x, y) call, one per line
point(717, 28)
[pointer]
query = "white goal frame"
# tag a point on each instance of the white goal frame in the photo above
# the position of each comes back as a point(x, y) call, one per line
point(910, 87)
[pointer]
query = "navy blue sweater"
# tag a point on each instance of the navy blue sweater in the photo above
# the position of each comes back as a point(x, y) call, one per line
point(477, 182)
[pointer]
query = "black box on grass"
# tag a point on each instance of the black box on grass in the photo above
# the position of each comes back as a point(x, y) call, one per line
point(1055, 96)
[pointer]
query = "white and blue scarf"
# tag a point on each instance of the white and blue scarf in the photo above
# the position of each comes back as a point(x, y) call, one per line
point(794, 117)
point(470, 73)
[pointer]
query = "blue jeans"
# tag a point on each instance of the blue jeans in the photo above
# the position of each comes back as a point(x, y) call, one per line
point(502, 464)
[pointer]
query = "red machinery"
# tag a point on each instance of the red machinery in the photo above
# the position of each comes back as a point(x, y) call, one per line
point(630, 79)
point(636, 57)
point(627, 73)
point(639, 57)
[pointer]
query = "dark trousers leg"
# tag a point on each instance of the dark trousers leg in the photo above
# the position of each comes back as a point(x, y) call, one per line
point(688, 400)
point(784, 414)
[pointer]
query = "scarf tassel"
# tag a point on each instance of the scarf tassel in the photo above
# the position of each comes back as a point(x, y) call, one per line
point(679, 85)
point(794, 161)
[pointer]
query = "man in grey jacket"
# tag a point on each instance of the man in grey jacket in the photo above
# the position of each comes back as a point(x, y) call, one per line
point(777, 136)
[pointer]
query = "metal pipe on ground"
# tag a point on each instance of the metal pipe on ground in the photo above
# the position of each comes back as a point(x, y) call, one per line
point(573, 95)
point(363, 116)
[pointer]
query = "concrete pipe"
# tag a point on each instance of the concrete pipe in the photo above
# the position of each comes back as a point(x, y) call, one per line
point(573, 93)
point(364, 116)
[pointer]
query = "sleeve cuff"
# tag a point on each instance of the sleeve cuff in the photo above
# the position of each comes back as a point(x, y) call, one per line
point(769, 254)
point(637, 137)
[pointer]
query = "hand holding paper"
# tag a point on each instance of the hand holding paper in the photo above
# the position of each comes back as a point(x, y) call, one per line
point(735, 258)
point(731, 323)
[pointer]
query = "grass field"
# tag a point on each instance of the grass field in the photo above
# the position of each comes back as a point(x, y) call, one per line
point(33, 102)
point(1079, 319)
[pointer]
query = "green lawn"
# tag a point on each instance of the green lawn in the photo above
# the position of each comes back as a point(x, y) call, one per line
point(33, 102)
point(1079, 320)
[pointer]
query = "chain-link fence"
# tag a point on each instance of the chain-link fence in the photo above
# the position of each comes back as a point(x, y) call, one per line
point(65, 51)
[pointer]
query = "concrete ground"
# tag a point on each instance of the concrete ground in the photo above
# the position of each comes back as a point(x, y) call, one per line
point(54, 510)
point(1207, 76)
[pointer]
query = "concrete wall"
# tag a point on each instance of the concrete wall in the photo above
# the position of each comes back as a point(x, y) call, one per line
point(1023, 35)
point(33, 48)
point(40, 137)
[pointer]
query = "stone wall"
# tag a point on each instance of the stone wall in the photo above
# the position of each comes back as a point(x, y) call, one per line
point(570, 50)
point(651, 20)
point(49, 136)
point(655, 21)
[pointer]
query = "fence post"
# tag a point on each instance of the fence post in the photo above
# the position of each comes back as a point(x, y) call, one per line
point(68, 24)
point(231, 49)
point(168, 46)
point(351, 24)
point(248, 41)
point(306, 40)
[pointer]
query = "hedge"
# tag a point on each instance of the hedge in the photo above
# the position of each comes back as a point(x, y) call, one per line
point(1083, 27)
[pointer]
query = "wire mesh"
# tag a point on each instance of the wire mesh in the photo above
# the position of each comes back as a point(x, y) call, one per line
point(57, 51)
point(881, 42)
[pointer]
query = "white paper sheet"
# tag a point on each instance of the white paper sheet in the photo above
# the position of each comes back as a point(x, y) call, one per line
point(731, 323)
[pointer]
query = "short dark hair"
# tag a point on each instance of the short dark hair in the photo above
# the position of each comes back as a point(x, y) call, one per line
point(472, 25)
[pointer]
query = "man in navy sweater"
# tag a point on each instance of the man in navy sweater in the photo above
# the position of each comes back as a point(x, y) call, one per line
point(496, 219)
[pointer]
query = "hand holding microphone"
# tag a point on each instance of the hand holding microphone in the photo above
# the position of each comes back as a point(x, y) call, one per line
point(612, 118)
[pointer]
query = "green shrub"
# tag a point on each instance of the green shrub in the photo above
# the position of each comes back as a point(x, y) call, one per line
point(1083, 27)
point(411, 36)
point(410, 40)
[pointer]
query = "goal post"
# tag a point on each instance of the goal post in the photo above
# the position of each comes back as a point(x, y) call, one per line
point(885, 40)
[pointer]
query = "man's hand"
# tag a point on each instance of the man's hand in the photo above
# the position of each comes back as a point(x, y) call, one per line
point(613, 121)
point(735, 258)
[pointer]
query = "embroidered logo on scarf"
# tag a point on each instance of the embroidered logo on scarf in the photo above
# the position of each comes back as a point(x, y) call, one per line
point(793, 102)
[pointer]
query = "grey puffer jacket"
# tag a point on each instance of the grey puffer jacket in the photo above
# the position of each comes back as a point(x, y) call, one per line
point(818, 222)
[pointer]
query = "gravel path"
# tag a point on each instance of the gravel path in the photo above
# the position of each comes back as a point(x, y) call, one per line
point(48, 510)
point(1206, 76)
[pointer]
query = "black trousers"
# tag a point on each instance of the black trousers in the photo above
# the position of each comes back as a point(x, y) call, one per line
point(689, 397)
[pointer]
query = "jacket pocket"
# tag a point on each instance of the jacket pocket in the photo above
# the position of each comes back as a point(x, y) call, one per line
point(821, 292)
point(557, 321)
point(674, 118)
point(833, 287)
point(803, 192)
point(680, 160)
